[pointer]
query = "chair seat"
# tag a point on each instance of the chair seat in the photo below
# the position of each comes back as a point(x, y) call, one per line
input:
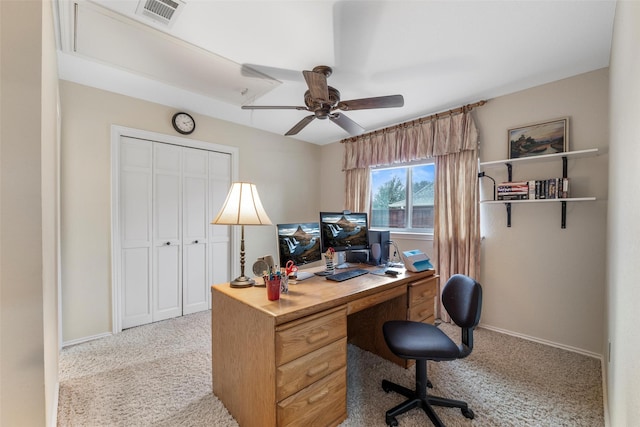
point(415, 340)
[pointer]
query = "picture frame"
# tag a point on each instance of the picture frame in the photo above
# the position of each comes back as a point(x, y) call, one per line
point(537, 139)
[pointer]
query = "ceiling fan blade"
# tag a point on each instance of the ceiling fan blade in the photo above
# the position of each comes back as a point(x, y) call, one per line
point(347, 124)
point(317, 83)
point(300, 125)
point(389, 101)
point(273, 107)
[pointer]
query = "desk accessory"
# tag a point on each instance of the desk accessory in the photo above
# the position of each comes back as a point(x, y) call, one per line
point(416, 260)
point(273, 288)
point(328, 259)
point(302, 275)
point(242, 207)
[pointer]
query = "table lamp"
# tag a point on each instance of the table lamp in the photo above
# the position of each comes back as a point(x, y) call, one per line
point(242, 207)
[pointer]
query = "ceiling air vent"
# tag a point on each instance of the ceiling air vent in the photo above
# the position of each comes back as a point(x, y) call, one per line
point(162, 11)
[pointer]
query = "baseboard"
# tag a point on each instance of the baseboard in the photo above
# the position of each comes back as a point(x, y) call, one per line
point(541, 341)
point(85, 339)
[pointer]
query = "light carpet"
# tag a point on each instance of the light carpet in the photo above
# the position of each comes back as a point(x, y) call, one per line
point(160, 375)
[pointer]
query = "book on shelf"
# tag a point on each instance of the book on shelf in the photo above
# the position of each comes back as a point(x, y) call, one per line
point(513, 196)
point(551, 188)
point(552, 184)
point(564, 192)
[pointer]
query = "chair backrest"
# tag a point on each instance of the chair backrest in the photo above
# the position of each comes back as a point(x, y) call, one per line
point(462, 297)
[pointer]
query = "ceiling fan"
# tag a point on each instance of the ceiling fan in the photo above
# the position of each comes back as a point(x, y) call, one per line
point(324, 102)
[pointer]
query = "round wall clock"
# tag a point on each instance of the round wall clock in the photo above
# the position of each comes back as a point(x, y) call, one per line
point(183, 123)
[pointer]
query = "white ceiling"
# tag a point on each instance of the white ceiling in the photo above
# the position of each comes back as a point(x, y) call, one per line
point(437, 54)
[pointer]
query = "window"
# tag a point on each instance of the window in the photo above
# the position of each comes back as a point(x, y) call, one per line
point(402, 198)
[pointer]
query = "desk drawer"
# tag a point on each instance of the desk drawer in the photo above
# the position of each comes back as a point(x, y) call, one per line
point(320, 404)
point(423, 291)
point(299, 373)
point(302, 337)
point(422, 311)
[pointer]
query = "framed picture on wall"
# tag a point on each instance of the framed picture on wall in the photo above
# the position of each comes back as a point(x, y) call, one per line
point(536, 139)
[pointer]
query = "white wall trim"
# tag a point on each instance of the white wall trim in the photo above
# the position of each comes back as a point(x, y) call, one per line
point(86, 339)
point(542, 341)
point(118, 132)
point(605, 391)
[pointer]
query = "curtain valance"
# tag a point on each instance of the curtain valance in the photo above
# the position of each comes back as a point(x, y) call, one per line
point(412, 141)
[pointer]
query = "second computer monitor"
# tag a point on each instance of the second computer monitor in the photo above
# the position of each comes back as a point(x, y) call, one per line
point(343, 231)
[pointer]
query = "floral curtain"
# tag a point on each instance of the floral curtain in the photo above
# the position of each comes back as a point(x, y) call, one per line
point(452, 141)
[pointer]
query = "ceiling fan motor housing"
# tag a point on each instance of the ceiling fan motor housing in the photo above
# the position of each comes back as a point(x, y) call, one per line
point(319, 108)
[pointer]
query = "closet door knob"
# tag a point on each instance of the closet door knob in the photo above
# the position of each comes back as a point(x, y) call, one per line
point(168, 243)
point(195, 241)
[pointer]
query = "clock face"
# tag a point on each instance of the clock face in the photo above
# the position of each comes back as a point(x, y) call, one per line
point(183, 123)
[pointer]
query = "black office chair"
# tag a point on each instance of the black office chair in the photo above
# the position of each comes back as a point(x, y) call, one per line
point(462, 297)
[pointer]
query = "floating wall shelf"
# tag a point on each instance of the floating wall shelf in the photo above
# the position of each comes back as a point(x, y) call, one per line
point(509, 163)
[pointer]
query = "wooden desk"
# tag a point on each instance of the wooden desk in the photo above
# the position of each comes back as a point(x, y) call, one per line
point(284, 362)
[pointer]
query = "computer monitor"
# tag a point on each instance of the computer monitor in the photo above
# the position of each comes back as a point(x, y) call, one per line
point(299, 242)
point(344, 231)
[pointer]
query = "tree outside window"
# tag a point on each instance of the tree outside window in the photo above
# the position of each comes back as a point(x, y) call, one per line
point(402, 198)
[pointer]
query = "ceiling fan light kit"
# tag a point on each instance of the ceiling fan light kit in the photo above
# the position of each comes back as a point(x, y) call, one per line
point(324, 102)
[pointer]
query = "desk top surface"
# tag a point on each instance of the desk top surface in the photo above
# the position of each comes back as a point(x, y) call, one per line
point(317, 293)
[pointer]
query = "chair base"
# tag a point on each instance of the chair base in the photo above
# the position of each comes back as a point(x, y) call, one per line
point(416, 400)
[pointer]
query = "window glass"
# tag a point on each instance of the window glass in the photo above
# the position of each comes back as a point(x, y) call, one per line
point(402, 198)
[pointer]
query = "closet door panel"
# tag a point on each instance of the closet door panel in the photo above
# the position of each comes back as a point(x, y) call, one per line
point(167, 214)
point(135, 207)
point(194, 228)
point(136, 283)
point(219, 235)
point(167, 289)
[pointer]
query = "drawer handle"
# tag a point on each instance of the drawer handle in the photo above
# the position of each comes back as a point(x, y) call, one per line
point(424, 313)
point(426, 293)
point(318, 369)
point(317, 337)
point(319, 396)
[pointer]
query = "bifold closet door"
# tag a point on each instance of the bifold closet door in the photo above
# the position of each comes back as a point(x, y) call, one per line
point(167, 231)
point(195, 222)
point(135, 233)
point(219, 235)
point(170, 253)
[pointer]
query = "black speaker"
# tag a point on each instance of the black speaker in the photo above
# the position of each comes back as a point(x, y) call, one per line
point(383, 238)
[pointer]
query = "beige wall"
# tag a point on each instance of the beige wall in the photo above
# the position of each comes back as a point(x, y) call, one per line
point(623, 292)
point(285, 171)
point(28, 259)
point(541, 281)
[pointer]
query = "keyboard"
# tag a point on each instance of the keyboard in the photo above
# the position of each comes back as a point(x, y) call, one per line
point(346, 275)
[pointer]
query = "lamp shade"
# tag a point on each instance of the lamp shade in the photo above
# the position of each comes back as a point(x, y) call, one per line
point(242, 207)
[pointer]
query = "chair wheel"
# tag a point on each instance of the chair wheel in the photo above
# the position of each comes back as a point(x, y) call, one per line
point(391, 421)
point(385, 387)
point(468, 413)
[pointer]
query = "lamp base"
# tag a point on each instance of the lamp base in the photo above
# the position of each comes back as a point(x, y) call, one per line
point(242, 282)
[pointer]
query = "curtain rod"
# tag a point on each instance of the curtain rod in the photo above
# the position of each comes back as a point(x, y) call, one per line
point(420, 120)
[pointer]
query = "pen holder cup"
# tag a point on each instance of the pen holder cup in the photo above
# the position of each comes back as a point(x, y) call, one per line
point(330, 264)
point(273, 289)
